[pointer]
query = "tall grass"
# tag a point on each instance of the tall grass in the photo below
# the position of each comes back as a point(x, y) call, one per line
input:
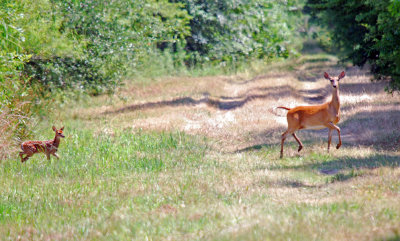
point(13, 128)
point(6, 135)
point(85, 184)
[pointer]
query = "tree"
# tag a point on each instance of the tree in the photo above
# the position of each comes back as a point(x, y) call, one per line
point(226, 30)
point(365, 32)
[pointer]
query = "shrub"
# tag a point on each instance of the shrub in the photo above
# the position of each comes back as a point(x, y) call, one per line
point(232, 30)
point(365, 32)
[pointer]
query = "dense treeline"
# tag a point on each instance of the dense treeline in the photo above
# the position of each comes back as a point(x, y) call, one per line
point(229, 30)
point(364, 32)
point(92, 44)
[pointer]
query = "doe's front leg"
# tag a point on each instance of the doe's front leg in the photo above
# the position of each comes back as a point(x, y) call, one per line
point(332, 126)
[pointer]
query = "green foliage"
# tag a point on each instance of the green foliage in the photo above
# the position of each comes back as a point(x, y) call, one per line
point(15, 99)
point(109, 38)
point(234, 30)
point(365, 32)
point(91, 45)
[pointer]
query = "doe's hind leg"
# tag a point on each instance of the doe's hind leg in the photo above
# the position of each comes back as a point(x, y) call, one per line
point(298, 141)
point(284, 135)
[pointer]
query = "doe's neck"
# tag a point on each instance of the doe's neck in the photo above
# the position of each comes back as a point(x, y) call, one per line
point(335, 98)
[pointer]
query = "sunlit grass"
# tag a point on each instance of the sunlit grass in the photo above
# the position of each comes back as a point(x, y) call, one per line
point(125, 184)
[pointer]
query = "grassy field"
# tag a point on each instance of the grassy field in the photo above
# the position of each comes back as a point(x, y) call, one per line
point(198, 159)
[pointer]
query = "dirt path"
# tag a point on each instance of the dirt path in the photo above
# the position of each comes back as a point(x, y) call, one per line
point(236, 112)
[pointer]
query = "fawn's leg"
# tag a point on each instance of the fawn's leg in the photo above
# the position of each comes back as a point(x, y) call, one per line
point(21, 154)
point(48, 156)
point(298, 141)
point(55, 154)
point(27, 157)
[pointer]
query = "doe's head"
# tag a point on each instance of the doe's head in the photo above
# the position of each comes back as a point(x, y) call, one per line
point(59, 132)
point(334, 81)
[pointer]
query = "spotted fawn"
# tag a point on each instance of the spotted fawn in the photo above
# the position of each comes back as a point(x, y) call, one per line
point(49, 147)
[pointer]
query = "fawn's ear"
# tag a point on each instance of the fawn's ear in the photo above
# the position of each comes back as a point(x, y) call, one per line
point(326, 75)
point(54, 128)
point(341, 76)
point(62, 128)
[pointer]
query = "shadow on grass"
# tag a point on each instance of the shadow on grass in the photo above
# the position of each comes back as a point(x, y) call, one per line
point(371, 162)
point(233, 102)
point(395, 237)
point(315, 96)
point(378, 129)
point(361, 88)
point(221, 103)
point(286, 183)
point(347, 163)
point(338, 169)
point(254, 148)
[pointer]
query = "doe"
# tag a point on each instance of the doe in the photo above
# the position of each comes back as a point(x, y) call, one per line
point(49, 147)
point(326, 115)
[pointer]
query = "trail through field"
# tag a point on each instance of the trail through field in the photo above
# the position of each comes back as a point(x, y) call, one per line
point(238, 112)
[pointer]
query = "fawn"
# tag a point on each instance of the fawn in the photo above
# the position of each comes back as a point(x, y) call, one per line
point(316, 116)
point(48, 147)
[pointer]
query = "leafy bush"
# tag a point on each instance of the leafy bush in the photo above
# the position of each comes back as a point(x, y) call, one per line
point(365, 32)
point(107, 40)
point(231, 30)
point(92, 45)
point(14, 98)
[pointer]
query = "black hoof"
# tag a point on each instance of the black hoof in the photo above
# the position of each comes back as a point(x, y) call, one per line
point(300, 147)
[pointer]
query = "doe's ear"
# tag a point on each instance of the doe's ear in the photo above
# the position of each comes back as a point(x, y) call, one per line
point(54, 128)
point(326, 75)
point(341, 76)
point(62, 128)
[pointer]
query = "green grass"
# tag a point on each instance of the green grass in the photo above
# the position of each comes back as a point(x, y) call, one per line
point(94, 176)
point(126, 184)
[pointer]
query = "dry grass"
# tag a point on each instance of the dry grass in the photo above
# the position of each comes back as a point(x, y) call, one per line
point(5, 136)
point(8, 126)
point(238, 111)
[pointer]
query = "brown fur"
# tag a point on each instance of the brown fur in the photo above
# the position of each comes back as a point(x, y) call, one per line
point(326, 115)
point(49, 147)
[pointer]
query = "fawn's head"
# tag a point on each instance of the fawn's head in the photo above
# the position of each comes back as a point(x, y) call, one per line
point(334, 81)
point(59, 132)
